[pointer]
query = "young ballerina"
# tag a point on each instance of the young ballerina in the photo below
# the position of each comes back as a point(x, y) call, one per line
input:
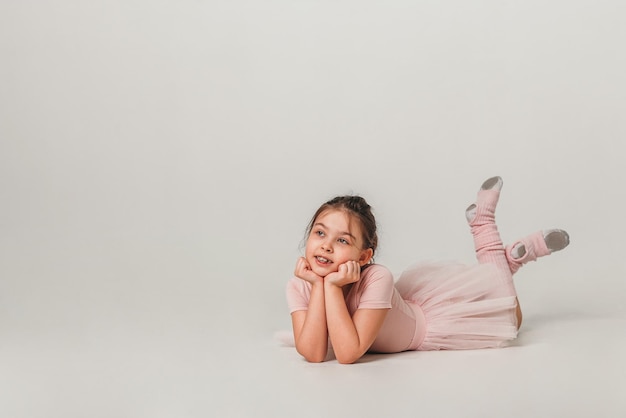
point(339, 296)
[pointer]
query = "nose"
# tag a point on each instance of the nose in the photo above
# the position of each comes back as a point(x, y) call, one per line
point(326, 246)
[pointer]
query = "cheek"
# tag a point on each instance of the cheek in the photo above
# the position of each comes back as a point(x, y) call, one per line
point(347, 254)
point(309, 245)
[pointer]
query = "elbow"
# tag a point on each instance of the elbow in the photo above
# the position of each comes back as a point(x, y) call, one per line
point(312, 356)
point(347, 359)
point(314, 359)
point(320, 357)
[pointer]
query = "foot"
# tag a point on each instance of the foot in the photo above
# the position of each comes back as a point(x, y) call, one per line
point(534, 246)
point(554, 239)
point(493, 183)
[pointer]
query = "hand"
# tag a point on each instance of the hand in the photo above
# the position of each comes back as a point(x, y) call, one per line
point(304, 272)
point(349, 272)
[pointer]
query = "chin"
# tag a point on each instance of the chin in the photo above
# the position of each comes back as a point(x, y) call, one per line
point(322, 272)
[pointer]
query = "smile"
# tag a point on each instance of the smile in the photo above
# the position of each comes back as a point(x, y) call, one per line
point(323, 260)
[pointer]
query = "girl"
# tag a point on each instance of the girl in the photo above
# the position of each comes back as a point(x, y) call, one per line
point(339, 296)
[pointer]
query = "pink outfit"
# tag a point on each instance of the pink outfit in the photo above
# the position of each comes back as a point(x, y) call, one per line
point(404, 326)
point(435, 306)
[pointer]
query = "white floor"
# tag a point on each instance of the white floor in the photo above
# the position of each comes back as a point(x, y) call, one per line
point(567, 362)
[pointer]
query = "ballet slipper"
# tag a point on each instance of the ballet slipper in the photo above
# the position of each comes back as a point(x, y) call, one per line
point(534, 246)
point(483, 211)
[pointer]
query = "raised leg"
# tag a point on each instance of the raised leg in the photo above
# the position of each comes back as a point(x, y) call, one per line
point(487, 241)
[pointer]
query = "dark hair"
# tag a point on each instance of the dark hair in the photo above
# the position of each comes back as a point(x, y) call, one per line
point(360, 209)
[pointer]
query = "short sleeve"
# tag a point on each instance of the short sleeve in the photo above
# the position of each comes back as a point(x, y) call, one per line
point(376, 288)
point(298, 295)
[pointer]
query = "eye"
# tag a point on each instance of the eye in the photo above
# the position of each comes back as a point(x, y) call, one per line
point(319, 233)
point(343, 241)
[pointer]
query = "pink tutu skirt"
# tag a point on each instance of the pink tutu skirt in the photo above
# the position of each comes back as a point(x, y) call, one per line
point(465, 306)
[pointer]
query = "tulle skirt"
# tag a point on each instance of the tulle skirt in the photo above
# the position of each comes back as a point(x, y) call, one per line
point(465, 306)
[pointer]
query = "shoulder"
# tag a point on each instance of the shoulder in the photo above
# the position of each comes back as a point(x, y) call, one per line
point(375, 288)
point(375, 276)
point(376, 272)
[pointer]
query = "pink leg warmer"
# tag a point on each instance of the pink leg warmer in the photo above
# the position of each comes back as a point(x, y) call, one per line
point(535, 246)
point(489, 247)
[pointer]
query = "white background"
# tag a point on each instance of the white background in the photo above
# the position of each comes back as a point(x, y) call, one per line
point(159, 161)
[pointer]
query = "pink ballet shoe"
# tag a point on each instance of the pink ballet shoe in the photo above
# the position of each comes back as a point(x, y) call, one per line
point(534, 246)
point(487, 198)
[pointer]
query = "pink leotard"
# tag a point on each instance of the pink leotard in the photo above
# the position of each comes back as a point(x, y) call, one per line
point(404, 327)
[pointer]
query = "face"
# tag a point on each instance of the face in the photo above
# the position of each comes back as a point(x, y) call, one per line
point(335, 239)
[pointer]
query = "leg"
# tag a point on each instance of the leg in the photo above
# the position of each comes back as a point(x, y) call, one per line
point(489, 247)
point(481, 218)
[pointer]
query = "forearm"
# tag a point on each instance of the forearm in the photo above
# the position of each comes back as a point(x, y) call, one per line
point(312, 337)
point(341, 328)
